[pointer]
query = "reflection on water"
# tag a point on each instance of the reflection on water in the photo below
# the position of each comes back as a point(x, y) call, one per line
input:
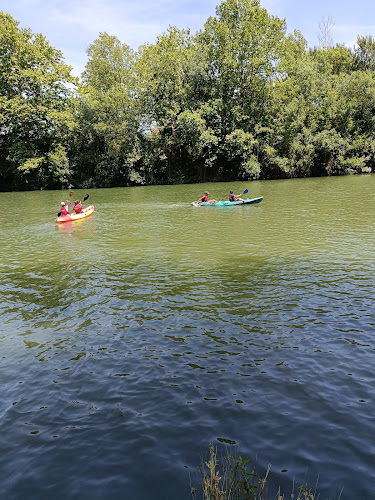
point(132, 339)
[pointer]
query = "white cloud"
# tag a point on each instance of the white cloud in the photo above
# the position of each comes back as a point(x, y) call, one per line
point(72, 25)
point(134, 23)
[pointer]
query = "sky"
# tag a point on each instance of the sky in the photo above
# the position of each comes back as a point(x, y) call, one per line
point(72, 25)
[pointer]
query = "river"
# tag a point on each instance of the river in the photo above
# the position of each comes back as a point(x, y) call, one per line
point(133, 339)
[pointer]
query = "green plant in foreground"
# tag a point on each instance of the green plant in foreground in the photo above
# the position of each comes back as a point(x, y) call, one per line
point(232, 481)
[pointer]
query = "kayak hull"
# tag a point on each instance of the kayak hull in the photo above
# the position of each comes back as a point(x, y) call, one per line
point(72, 217)
point(248, 201)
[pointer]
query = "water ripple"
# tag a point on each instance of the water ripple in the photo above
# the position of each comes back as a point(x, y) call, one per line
point(128, 346)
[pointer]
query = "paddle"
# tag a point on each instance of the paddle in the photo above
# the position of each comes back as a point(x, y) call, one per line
point(246, 191)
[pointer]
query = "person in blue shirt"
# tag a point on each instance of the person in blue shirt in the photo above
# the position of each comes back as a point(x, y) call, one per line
point(234, 197)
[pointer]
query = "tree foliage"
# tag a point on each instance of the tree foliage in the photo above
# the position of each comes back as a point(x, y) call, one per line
point(106, 139)
point(35, 108)
point(240, 99)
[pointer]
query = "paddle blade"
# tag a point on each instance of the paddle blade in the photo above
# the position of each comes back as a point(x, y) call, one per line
point(246, 191)
point(71, 193)
point(86, 197)
point(59, 214)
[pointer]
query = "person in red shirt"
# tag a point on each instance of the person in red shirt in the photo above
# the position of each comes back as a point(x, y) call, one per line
point(204, 198)
point(65, 207)
point(77, 207)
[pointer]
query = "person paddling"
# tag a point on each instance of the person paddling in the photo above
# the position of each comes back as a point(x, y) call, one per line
point(234, 197)
point(64, 210)
point(77, 207)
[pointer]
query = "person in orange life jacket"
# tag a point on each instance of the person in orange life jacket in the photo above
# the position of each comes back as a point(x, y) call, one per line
point(77, 207)
point(234, 197)
point(65, 207)
point(204, 198)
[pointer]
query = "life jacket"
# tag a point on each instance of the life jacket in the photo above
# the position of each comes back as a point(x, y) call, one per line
point(78, 208)
point(232, 197)
point(204, 197)
point(64, 210)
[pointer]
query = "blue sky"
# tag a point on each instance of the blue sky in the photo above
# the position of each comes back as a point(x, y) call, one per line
point(72, 25)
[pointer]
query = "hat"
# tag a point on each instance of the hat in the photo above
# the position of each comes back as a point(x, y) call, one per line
point(206, 192)
point(62, 203)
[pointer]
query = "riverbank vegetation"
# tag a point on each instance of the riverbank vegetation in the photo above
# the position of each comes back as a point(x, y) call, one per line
point(241, 99)
point(233, 477)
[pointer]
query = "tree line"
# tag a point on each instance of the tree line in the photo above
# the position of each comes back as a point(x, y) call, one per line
point(239, 100)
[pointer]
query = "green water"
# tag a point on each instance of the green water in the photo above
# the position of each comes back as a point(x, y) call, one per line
point(296, 217)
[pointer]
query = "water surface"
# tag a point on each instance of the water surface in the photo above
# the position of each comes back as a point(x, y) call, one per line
point(132, 339)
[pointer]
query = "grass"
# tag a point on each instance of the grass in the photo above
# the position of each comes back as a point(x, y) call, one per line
point(234, 479)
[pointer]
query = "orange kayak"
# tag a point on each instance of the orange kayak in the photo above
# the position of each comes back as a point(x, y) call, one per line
point(67, 218)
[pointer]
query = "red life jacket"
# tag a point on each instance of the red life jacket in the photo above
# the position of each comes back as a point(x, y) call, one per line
point(232, 197)
point(78, 208)
point(64, 210)
point(204, 197)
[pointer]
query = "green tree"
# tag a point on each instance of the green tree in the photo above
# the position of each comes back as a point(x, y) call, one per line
point(296, 101)
point(244, 44)
point(172, 85)
point(106, 147)
point(334, 60)
point(35, 109)
point(324, 113)
point(365, 53)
